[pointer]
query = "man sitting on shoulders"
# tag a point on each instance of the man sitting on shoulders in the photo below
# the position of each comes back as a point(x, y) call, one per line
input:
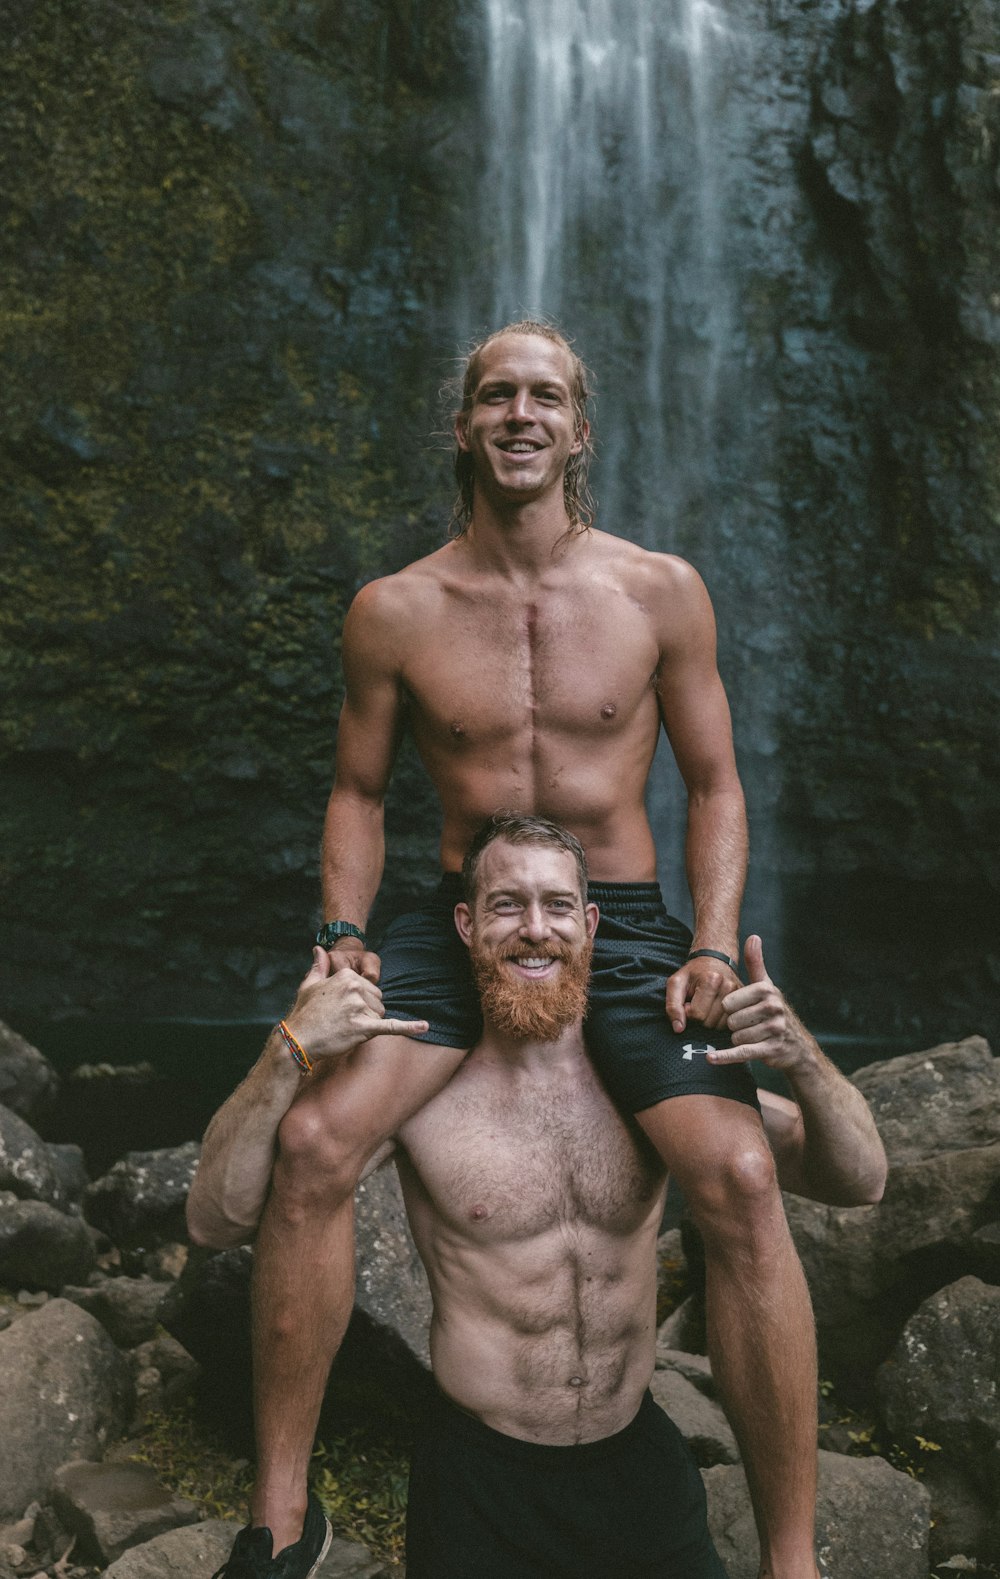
point(535, 1205)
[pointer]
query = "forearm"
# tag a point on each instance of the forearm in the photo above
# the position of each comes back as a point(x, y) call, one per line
point(353, 855)
point(233, 1177)
point(716, 859)
point(842, 1159)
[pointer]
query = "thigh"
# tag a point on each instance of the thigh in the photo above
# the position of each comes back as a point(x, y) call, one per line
point(640, 1057)
point(355, 1103)
point(426, 975)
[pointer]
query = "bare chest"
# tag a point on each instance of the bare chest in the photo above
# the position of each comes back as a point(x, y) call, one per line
point(581, 664)
point(534, 1162)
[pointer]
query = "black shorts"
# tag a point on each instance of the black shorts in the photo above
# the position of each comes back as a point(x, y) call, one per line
point(640, 1057)
point(487, 1506)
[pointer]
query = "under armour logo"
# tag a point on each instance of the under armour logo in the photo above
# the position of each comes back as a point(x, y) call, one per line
point(701, 1048)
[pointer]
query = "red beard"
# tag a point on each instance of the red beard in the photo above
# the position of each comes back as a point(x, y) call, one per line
point(532, 1011)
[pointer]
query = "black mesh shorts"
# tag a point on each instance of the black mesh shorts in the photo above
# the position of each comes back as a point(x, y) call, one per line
point(640, 1057)
point(487, 1506)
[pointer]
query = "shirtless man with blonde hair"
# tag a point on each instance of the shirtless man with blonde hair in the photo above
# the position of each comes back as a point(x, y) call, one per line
point(536, 1207)
point(535, 660)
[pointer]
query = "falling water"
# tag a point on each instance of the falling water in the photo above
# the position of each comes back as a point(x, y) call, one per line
point(605, 169)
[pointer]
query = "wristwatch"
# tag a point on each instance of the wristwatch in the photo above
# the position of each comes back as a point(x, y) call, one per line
point(330, 931)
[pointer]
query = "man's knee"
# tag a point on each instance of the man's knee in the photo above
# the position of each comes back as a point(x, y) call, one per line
point(737, 1191)
point(317, 1163)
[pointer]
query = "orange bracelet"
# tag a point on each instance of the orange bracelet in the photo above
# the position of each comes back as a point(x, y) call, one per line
point(296, 1049)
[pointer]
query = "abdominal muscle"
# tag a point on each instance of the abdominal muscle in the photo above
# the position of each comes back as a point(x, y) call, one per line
point(546, 1344)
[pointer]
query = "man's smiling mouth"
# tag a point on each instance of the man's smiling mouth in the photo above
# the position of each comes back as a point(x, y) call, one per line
point(519, 446)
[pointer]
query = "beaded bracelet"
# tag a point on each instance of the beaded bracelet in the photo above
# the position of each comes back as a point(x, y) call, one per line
point(296, 1049)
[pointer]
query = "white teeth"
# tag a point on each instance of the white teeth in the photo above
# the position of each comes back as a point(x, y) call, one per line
point(534, 964)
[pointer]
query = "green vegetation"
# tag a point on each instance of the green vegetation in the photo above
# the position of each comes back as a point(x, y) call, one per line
point(359, 1476)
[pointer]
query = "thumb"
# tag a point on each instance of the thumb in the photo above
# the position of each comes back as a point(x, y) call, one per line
point(753, 954)
point(319, 969)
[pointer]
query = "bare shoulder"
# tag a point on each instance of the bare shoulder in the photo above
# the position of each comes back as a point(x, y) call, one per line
point(385, 609)
point(666, 586)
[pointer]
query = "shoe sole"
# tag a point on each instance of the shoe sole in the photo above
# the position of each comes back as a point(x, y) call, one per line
point(314, 1570)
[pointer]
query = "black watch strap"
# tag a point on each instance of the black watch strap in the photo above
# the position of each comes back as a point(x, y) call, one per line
point(330, 931)
point(714, 953)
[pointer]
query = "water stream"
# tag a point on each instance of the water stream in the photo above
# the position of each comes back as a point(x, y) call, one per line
point(610, 138)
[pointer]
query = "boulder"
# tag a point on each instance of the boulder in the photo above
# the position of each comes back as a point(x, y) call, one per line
point(65, 1392)
point(126, 1307)
point(871, 1521)
point(70, 1169)
point(696, 1367)
point(164, 1371)
point(869, 1267)
point(139, 1204)
point(945, 1099)
point(26, 1165)
point(700, 1421)
point(684, 1328)
point(392, 1286)
point(197, 1551)
point(110, 1507)
point(383, 1358)
point(28, 1082)
point(942, 1379)
point(41, 1247)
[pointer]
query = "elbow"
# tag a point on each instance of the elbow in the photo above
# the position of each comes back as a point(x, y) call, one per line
point(210, 1230)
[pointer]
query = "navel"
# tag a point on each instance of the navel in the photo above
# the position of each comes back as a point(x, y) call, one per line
point(576, 1381)
point(608, 710)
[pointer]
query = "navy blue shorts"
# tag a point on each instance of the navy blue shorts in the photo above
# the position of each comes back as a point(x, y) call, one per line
point(640, 1057)
point(487, 1506)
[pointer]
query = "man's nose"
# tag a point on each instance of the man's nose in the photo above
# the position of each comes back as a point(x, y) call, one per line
point(520, 408)
point(535, 923)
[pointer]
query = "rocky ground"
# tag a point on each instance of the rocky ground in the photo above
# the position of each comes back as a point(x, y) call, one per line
point(114, 1339)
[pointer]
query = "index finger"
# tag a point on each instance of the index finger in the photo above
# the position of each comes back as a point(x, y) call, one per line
point(401, 1028)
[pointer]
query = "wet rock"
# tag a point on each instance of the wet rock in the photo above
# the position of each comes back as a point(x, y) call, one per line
point(385, 1347)
point(42, 1248)
point(126, 1307)
point(392, 1286)
point(70, 1169)
point(870, 1520)
point(869, 1267)
point(944, 1099)
point(28, 1082)
point(700, 1421)
point(684, 1329)
point(941, 1385)
point(111, 1507)
point(65, 1393)
point(695, 1367)
point(140, 1203)
point(26, 1166)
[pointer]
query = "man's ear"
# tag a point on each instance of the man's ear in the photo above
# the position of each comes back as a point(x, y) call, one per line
point(461, 439)
point(463, 921)
point(592, 915)
point(580, 438)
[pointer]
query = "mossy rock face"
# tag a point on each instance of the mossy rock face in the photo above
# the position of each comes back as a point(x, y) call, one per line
point(217, 428)
point(239, 245)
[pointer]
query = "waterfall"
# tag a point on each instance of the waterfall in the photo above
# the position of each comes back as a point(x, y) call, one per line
point(607, 139)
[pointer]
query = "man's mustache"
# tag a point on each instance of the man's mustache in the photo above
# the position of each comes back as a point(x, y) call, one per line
point(554, 949)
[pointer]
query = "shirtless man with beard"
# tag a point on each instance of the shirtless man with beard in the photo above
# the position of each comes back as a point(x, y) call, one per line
point(535, 660)
point(535, 1205)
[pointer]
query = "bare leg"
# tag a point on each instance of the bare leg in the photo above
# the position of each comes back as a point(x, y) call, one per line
point(761, 1333)
point(303, 1282)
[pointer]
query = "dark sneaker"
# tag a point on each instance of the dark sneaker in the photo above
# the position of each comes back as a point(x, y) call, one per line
point(251, 1556)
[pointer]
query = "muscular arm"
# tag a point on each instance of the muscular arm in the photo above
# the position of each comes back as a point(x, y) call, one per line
point(696, 717)
point(825, 1143)
point(371, 723)
point(331, 1015)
